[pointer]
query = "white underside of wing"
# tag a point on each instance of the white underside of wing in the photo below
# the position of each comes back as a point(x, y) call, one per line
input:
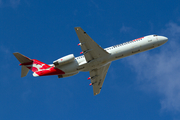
point(97, 78)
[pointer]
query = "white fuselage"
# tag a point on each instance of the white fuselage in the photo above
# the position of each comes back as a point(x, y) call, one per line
point(116, 52)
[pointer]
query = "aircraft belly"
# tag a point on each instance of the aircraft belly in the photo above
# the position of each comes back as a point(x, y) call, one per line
point(147, 45)
point(124, 52)
point(94, 64)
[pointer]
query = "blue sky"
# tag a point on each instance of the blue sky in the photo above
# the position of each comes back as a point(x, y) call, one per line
point(145, 86)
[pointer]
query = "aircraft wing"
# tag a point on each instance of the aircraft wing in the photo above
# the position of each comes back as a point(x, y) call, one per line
point(90, 48)
point(97, 78)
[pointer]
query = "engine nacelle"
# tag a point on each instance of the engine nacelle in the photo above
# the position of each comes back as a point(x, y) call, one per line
point(64, 60)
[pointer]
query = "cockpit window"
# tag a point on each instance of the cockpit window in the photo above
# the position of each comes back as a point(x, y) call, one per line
point(154, 35)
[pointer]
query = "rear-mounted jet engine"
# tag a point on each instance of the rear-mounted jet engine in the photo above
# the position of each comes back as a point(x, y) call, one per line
point(64, 60)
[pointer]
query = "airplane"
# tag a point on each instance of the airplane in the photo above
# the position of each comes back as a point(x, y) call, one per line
point(95, 59)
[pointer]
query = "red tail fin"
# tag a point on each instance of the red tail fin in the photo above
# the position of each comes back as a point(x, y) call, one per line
point(37, 65)
point(39, 68)
point(31, 64)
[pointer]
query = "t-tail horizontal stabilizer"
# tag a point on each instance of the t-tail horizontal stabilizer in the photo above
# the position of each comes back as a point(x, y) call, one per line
point(39, 68)
point(24, 61)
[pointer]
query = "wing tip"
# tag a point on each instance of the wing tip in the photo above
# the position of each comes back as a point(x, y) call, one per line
point(77, 28)
point(96, 94)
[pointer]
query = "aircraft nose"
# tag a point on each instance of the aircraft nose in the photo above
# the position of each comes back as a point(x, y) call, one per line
point(162, 39)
